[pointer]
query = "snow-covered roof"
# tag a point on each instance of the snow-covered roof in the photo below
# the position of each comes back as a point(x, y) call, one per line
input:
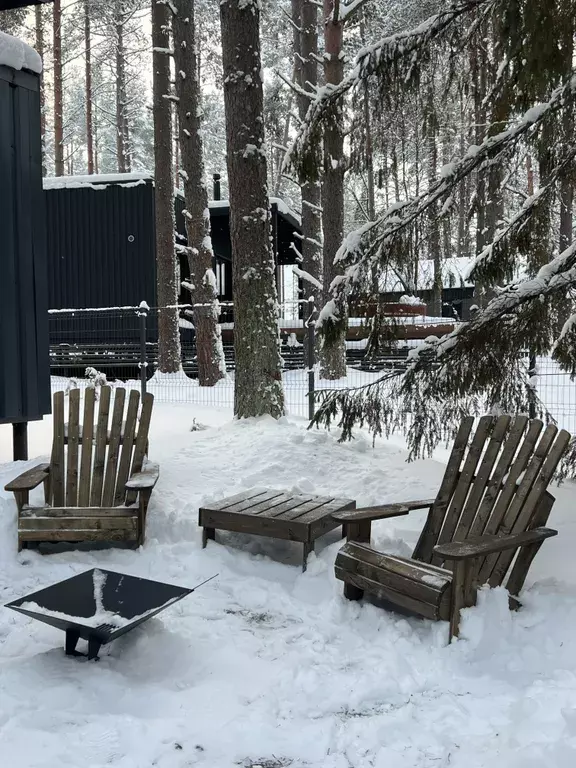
point(282, 206)
point(16, 54)
point(97, 180)
point(454, 275)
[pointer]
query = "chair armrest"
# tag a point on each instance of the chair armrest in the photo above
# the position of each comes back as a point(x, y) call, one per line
point(29, 479)
point(380, 512)
point(145, 479)
point(487, 545)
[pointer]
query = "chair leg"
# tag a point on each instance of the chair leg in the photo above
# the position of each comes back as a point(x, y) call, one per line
point(208, 533)
point(353, 593)
point(463, 593)
point(307, 548)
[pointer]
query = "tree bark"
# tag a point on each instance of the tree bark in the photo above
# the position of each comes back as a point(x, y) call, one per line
point(88, 84)
point(58, 93)
point(39, 43)
point(333, 347)
point(306, 47)
point(258, 379)
point(209, 350)
point(166, 291)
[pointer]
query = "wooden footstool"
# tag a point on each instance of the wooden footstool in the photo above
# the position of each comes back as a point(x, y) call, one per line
point(277, 514)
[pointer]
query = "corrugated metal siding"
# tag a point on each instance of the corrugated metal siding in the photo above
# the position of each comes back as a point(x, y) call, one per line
point(101, 250)
point(24, 364)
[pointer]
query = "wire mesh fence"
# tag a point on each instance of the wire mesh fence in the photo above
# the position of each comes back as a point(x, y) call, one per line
point(122, 343)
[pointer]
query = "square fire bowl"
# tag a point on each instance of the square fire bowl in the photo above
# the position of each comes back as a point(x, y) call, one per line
point(98, 606)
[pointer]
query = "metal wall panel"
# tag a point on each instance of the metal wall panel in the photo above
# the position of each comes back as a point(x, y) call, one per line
point(24, 364)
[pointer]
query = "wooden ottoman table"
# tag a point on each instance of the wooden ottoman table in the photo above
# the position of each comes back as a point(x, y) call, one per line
point(277, 514)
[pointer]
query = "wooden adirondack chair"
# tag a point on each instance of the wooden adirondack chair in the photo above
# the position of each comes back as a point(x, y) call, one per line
point(92, 486)
point(486, 522)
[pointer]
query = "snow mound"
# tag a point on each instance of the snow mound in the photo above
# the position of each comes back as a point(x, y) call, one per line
point(16, 54)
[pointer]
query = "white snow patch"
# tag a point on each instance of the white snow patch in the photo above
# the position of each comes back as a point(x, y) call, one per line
point(15, 53)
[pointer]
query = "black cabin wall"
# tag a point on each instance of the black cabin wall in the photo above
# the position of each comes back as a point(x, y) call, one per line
point(24, 359)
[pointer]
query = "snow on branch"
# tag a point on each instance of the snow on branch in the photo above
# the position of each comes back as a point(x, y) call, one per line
point(403, 214)
point(379, 57)
point(308, 277)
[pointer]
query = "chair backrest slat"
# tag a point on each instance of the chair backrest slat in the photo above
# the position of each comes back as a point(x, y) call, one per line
point(482, 478)
point(509, 449)
point(113, 448)
point(57, 461)
point(465, 480)
point(520, 519)
point(87, 440)
point(141, 442)
point(429, 536)
point(73, 447)
point(127, 446)
point(100, 449)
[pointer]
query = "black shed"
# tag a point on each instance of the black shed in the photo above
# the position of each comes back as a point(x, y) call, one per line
point(24, 360)
point(101, 241)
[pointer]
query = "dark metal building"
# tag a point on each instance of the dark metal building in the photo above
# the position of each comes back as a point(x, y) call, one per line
point(101, 248)
point(24, 362)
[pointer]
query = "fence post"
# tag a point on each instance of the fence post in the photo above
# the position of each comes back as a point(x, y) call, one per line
point(143, 310)
point(310, 344)
point(532, 372)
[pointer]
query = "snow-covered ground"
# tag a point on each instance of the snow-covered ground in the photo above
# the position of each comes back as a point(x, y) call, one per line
point(265, 663)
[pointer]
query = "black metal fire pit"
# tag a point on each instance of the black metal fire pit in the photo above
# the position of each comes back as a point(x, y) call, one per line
point(98, 606)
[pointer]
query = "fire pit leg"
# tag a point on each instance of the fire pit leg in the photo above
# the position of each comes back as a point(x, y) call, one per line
point(94, 645)
point(72, 637)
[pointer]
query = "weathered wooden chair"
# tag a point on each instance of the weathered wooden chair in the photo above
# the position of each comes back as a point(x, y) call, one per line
point(92, 486)
point(486, 522)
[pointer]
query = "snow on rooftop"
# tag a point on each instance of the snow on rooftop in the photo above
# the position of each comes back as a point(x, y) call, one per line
point(282, 206)
point(16, 54)
point(97, 181)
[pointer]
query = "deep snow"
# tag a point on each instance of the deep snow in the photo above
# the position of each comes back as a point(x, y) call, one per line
point(267, 663)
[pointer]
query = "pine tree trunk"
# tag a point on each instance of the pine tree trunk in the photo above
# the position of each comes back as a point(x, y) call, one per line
point(209, 350)
point(311, 191)
point(166, 290)
point(88, 84)
point(258, 379)
point(333, 347)
point(39, 44)
point(120, 92)
point(58, 94)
